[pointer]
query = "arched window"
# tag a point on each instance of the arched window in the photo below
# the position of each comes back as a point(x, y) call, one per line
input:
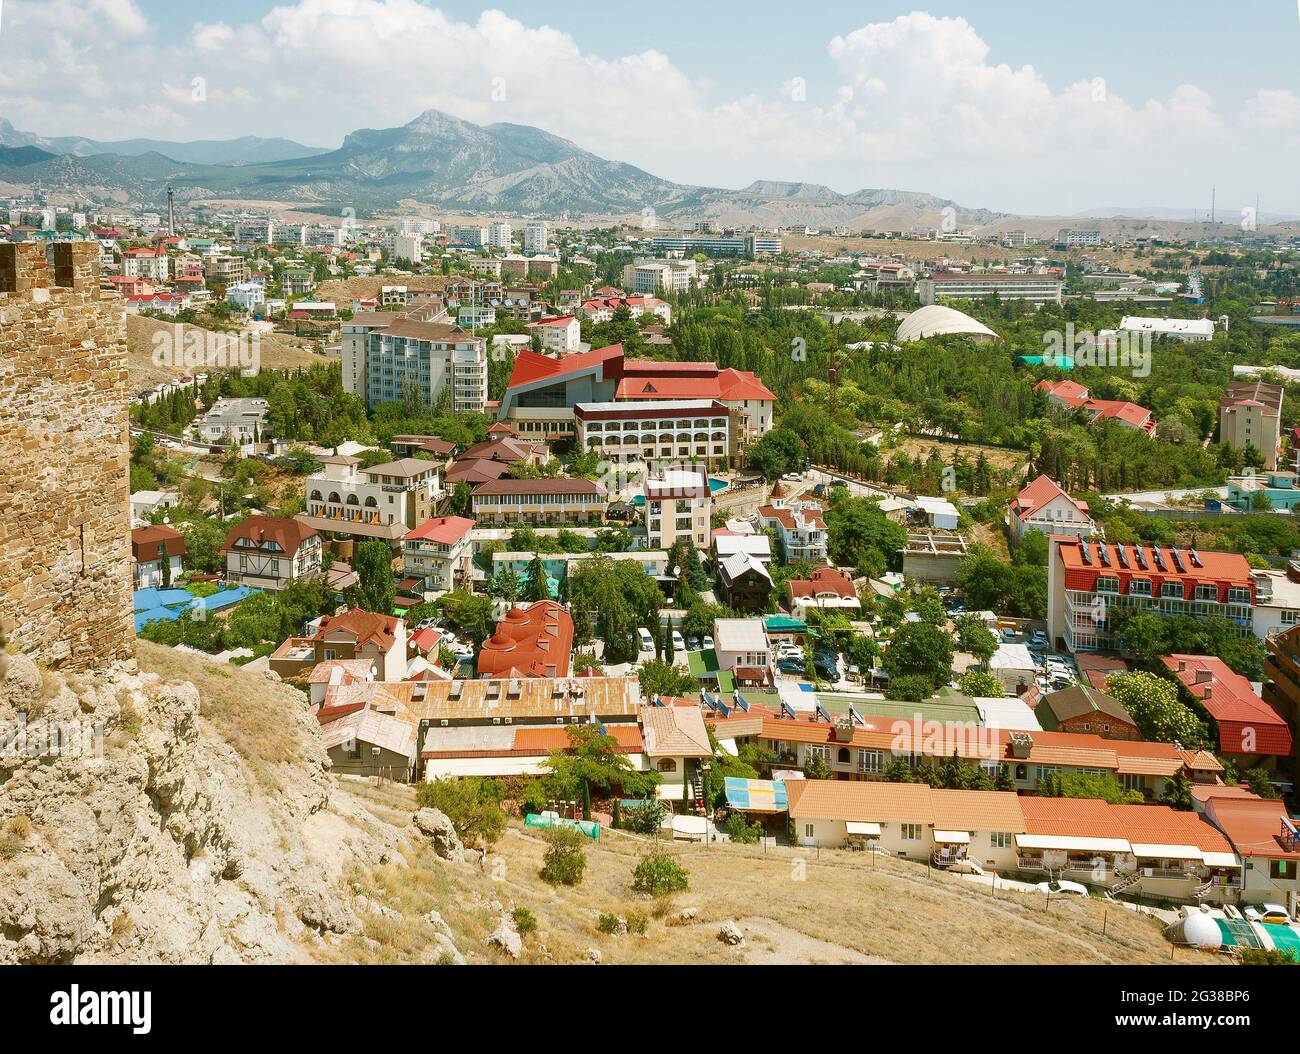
point(371, 503)
point(315, 495)
point(843, 756)
point(667, 765)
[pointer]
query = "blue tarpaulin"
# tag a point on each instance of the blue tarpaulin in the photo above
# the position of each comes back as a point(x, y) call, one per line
point(167, 605)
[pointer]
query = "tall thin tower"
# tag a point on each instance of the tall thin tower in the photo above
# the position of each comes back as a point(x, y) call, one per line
point(171, 212)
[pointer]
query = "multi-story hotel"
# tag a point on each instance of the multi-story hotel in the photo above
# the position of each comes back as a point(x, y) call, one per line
point(679, 508)
point(1088, 581)
point(225, 269)
point(386, 501)
point(1251, 415)
point(539, 400)
point(660, 276)
point(539, 501)
point(405, 357)
point(689, 430)
point(1040, 288)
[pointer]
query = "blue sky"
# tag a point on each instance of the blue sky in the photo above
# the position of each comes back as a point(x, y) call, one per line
point(1013, 105)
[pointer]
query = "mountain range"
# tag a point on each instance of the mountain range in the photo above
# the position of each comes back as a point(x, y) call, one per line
point(439, 160)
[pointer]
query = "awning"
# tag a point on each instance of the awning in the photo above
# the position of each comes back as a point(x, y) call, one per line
point(1068, 842)
point(952, 837)
point(1220, 859)
point(1156, 850)
point(871, 830)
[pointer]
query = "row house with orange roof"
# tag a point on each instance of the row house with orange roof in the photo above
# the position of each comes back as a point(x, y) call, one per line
point(1263, 835)
point(1070, 395)
point(858, 747)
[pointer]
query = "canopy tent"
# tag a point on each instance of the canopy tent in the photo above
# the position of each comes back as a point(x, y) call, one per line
point(952, 837)
point(862, 827)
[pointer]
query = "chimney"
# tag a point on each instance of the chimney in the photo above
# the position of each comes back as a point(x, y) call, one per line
point(1209, 689)
point(1202, 676)
point(1021, 744)
point(1181, 666)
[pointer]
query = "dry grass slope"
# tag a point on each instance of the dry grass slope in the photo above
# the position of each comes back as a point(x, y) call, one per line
point(795, 907)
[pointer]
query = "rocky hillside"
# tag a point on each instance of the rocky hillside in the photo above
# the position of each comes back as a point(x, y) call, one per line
point(206, 833)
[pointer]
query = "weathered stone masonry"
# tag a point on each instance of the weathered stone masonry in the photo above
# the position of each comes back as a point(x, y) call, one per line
point(65, 521)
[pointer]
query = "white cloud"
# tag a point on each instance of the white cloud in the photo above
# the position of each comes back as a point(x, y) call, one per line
point(912, 102)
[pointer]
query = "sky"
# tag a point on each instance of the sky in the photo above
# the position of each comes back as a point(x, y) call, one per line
point(1011, 105)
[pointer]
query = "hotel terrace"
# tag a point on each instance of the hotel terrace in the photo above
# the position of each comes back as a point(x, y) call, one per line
point(1088, 580)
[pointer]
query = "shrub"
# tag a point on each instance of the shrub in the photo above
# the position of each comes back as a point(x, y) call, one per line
point(1266, 957)
point(658, 873)
point(607, 923)
point(645, 818)
point(910, 687)
point(525, 922)
point(565, 861)
point(741, 831)
point(637, 922)
point(473, 805)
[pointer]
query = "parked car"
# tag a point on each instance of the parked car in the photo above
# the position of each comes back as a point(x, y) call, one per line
point(646, 641)
point(678, 643)
point(1038, 639)
point(708, 642)
point(792, 477)
point(693, 642)
point(819, 490)
point(1273, 913)
point(1063, 886)
point(826, 668)
point(1009, 633)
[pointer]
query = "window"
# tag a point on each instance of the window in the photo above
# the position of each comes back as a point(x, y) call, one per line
point(1022, 772)
point(667, 765)
point(1284, 869)
point(870, 761)
point(822, 752)
point(1107, 584)
point(911, 832)
point(1139, 587)
point(808, 830)
point(842, 756)
point(1172, 590)
point(1000, 839)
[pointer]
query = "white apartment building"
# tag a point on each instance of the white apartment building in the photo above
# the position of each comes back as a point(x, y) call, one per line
point(500, 235)
point(660, 276)
point(145, 263)
point(1039, 288)
point(1067, 236)
point(439, 553)
point(536, 238)
point(561, 335)
point(685, 430)
point(1044, 506)
point(232, 421)
point(1184, 329)
point(679, 507)
point(389, 356)
point(475, 237)
point(406, 247)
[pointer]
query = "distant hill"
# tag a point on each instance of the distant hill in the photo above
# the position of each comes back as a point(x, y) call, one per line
point(247, 149)
point(441, 160)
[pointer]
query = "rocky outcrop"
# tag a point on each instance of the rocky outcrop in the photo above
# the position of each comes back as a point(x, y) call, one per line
point(437, 826)
point(731, 933)
point(142, 835)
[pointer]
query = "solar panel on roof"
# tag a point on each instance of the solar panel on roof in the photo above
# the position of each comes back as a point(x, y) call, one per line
point(1160, 559)
point(821, 713)
point(1141, 557)
point(1123, 556)
point(1178, 560)
point(1196, 558)
point(1087, 556)
point(1105, 556)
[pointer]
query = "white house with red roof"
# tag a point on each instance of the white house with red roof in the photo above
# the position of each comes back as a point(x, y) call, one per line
point(801, 526)
point(1044, 506)
point(438, 554)
point(601, 309)
point(561, 334)
point(146, 263)
point(825, 589)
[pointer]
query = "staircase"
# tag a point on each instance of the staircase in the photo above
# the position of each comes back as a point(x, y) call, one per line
point(1124, 883)
point(697, 792)
point(1202, 891)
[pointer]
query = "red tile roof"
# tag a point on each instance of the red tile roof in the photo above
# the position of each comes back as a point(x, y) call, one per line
point(530, 366)
point(529, 642)
point(1255, 826)
point(822, 581)
point(445, 529)
point(366, 627)
point(1247, 724)
point(146, 540)
point(1224, 570)
point(1039, 493)
point(287, 534)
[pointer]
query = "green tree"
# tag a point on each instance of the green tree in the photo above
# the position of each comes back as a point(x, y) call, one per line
point(593, 761)
point(921, 649)
point(975, 638)
point(472, 804)
point(375, 589)
point(1154, 706)
point(536, 587)
point(980, 685)
point(659, 874)
point(662, 679)
point(565, 859)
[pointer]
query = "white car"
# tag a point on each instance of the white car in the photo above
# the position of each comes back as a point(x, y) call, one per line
point(643, 636)
point(1274, 913)
point(708, 642)
point(1062, 886)
point(792, 477)
point(678, 643)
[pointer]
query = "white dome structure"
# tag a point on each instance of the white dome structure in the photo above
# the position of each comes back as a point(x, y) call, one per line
point(938, 320)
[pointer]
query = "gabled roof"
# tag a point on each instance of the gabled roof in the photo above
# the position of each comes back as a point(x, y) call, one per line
point(146, 540)
point(1040, 492)
point(287, 534)
point(1076, 701)
point(675, 731)
point(530, 366)
point(367, 627)
point(824, 581)
point(1247, 724)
